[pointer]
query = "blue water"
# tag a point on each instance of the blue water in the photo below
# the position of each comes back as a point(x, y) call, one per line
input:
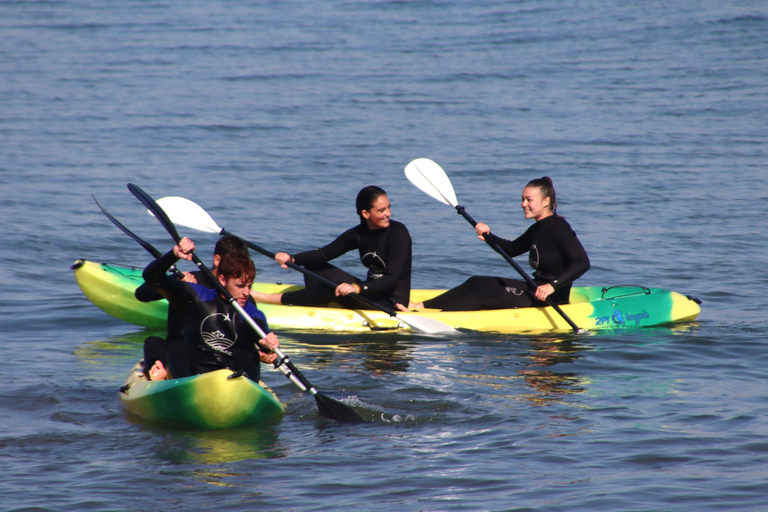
point(649, 117)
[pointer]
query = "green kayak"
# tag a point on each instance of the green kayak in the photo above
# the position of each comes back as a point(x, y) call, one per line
point(207, 401)
point(111, 288)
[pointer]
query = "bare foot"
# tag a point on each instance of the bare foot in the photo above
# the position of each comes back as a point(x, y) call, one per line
point(158, 371)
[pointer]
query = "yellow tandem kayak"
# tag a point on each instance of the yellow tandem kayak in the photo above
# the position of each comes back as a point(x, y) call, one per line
point(111, 288)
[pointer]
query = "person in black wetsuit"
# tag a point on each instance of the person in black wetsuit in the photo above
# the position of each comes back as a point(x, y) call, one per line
point(554, 252)
point(215, 334)
point(156, 349)
point(385, 249)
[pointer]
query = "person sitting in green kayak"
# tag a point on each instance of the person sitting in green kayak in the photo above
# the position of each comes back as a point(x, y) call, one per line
point(554, 252)
point(385, 249)
point(156, 349)
point(215, 334)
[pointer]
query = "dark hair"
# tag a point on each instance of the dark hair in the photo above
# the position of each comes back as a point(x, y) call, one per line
point(236, 265)
point(366, 198)
point(228, 244)
point(547, 190)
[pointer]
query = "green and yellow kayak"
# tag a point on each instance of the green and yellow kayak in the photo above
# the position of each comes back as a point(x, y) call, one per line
point(207, 401)
point(111, 288)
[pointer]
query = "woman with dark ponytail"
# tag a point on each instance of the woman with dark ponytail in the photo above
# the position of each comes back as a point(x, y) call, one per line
point(385, 249)
point(554, 252)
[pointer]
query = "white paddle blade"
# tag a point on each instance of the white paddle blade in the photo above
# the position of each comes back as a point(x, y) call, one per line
point(431, 179)
point(426, 325)
point(187, 213)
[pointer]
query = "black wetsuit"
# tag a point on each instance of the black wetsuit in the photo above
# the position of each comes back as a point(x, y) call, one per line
point(172, 350)
point(556, 255)
point(385, 252)
point(146, 292)
point(210, 329)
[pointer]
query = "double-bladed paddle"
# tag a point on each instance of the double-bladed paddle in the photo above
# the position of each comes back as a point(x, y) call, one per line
point(188, 213)
point(327, 406)
point(149, 247)
point(430, 178)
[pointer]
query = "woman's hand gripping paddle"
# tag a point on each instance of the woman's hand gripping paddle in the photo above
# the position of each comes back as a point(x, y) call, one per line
point(430, 178)
point(327, 406)
point(187, 213)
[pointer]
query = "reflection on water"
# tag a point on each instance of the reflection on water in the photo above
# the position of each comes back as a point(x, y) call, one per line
point(216, 446)
point(549, 385)
point(109, 360)
point(387, 356)
point(381, 353)
point(122, 346)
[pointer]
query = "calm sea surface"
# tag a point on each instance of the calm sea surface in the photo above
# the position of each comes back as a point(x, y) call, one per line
point(649, 116)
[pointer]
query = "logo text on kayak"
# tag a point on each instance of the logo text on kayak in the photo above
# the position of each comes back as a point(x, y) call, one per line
point(620, 318)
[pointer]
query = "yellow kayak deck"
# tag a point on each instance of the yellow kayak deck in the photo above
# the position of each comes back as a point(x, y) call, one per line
point(111, 288)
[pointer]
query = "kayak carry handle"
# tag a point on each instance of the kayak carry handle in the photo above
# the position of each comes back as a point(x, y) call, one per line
point(643, 290)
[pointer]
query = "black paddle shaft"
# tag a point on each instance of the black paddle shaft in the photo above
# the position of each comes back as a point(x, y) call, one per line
point(146, 245)
point(489, 239)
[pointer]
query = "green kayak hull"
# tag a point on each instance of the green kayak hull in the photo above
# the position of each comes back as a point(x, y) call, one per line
point(208, 401)
point(111, 288)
